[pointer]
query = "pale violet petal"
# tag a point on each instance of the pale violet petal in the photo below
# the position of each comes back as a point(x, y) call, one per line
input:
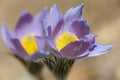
point(100, 50)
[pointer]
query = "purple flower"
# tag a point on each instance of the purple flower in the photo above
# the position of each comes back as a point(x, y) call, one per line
point(69, 35)
point(28, 38)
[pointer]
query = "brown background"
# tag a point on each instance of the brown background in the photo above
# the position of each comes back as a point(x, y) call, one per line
point(103, 17)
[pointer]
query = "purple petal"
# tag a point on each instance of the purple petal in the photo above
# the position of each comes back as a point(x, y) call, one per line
point(7, 35)
point(57, 30)
point(75, 49)
point(100, 49)
point(37, 22)
point(50, 42)
point(80, 28)
point(20, 50)
point(52, 45)
point(40, 42)
point(53, 33)
point(49, 31)
point(27, 25)
point(54, 18)
point(25, 18)
point(84, 55)
point(38, 55)
point(91, 39)
point(74, 13)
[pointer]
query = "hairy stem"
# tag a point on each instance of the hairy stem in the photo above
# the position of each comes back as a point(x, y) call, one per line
point(59, 66)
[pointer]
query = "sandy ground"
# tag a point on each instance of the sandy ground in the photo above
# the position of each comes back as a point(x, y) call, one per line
point(104, 19)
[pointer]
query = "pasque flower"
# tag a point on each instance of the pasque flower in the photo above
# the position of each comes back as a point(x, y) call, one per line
point(28, 38)
point(70, 36)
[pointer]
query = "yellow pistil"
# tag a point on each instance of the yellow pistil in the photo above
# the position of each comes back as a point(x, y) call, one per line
point(29, 44)
point(65, 39)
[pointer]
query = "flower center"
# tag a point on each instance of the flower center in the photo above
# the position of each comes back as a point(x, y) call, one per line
point(29, 44)
point(65, 39)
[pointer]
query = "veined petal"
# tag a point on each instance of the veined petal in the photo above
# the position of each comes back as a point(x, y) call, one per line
point(74, 13)
point(19, 48)
point(75, 49)
point(100, 49)
point(80, 28)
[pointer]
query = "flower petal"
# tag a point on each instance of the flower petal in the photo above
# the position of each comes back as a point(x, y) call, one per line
point(50, 42)
point(20, 50)
point(27, 24)
point(40, 42)
point(57, 30)
point(74, 13)
point(85, 54)
point(90, 38)
point(80, 28)
point(38, 55)
point(7, 35)
point(75, 49)
point(25, 17)
point(49, 31)
point(20, 28)
point(54, 18)
point(37, 22)
point(52, 46)
point(100, 49)
point(53, 33)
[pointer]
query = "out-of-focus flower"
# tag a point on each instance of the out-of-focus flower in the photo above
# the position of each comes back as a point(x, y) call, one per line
point(69, 35)
point(28, 38)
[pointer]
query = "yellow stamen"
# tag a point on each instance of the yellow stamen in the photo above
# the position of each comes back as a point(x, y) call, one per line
point(29, 44)
point(65, 39)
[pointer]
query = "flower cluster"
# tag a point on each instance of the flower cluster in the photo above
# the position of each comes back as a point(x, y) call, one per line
point(68, 35)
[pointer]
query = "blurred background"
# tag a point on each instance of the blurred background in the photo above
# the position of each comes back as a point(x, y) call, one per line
point(104, 19)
